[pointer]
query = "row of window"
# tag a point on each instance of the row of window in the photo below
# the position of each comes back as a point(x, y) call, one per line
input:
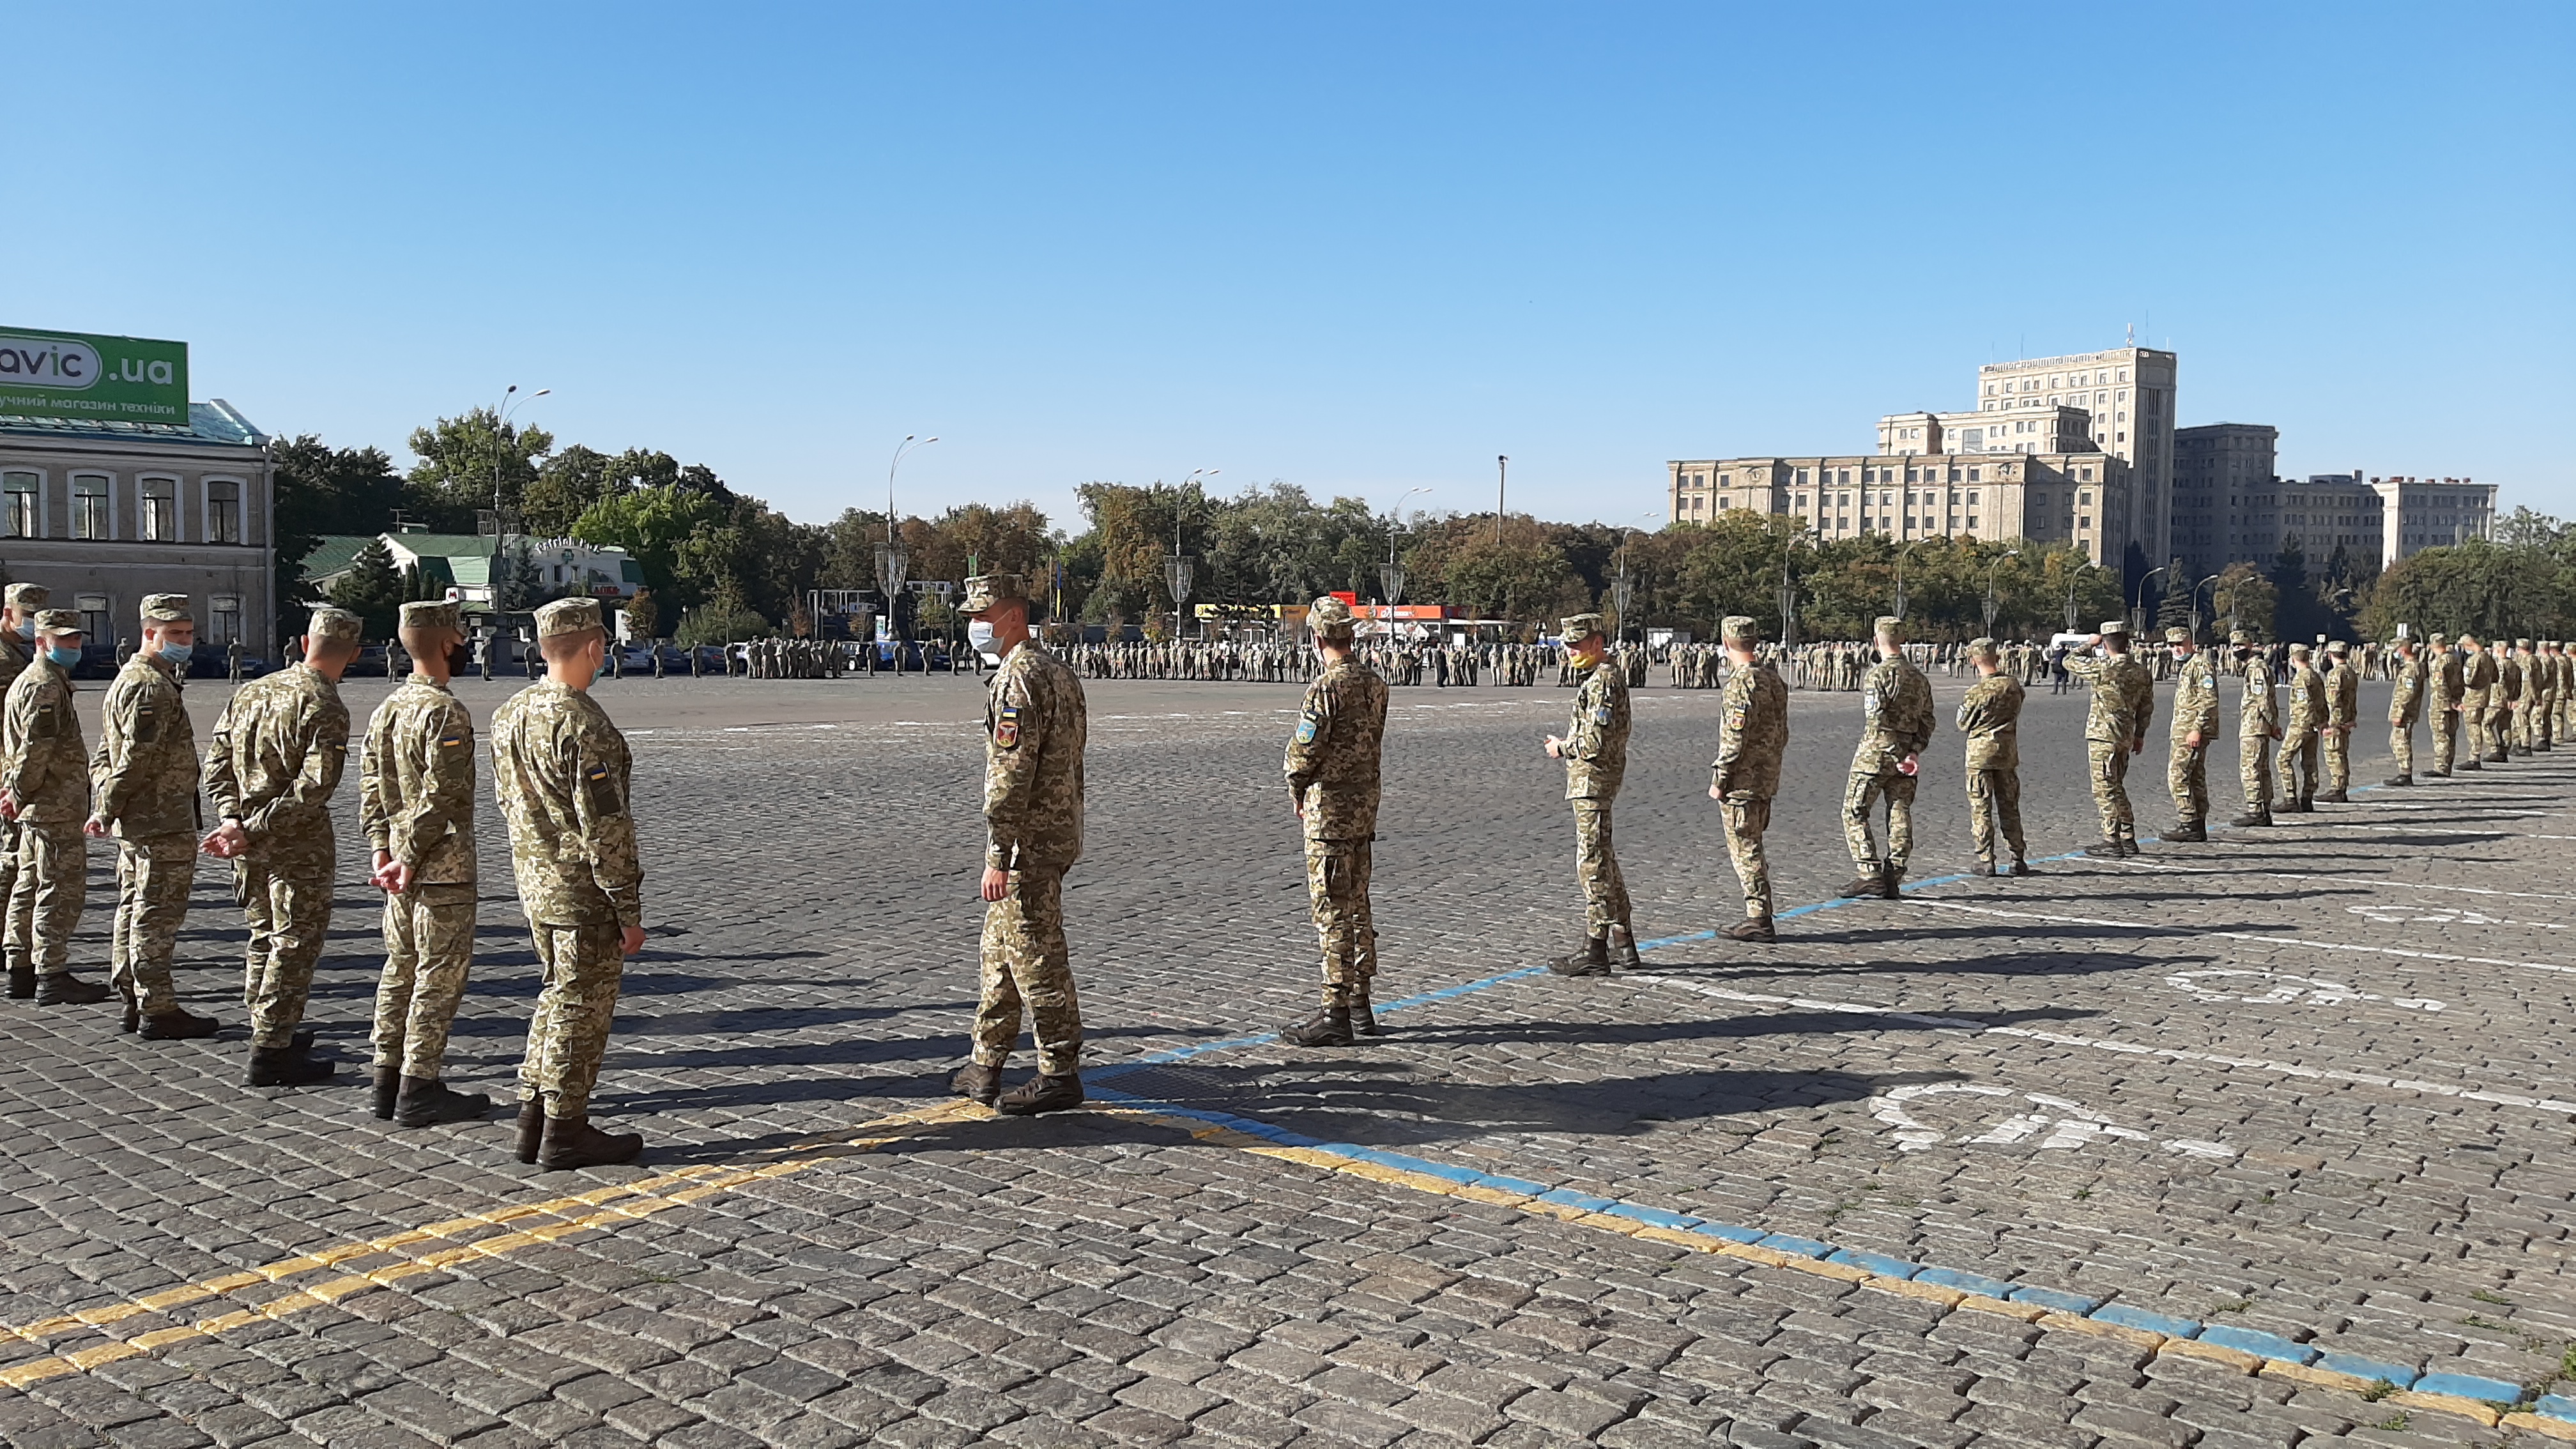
point(93, 514)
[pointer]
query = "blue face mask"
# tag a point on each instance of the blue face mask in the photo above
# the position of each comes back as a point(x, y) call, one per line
point(176, 655)
point(65, 655)
point(27, 629)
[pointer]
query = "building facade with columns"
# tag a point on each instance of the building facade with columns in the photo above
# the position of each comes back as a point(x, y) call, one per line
point(2078, 498)
point(2130, 393)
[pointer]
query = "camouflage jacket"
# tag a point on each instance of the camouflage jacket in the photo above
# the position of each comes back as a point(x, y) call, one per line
point(1896, 716)
point(15, 655)
point(2477, 678)
point(276, 757)
point(2406, 692)
point(2195, 704)
point(2260, 713)
point(416, 782)
point(2124, 697)
point(1333, 757)
point(1596, 736)
point(2307, 699)
point(2508, 681)
point(2449, 678)
point(1991, 719)
point(1753, 731)
point(1035, 726)
point(145, 770)
point(2343, 696)
point(560, 769)
point(42, 763)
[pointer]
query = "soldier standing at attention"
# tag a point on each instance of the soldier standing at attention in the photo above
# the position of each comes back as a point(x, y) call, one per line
point(2258, 724)
point(1595, 750)
point(1896, 723)
point(2525, 694)
point(2405, 702)
point(560, 769)
point(416, 801)
point(1332, 768)
point(2195, 724)
point(145, 774)
point(1034, 736)
point(2478, 683)
point(17, 651)
point(1752, 733)
point(44, 789)
point(1991, 719)
point(2343, 710)
point(2124, 703)
point(1035, 727)
point(2308, 714)
point(2446, 697)
point(271, 768)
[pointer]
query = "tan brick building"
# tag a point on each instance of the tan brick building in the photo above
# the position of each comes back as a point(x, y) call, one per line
point(2079, 498)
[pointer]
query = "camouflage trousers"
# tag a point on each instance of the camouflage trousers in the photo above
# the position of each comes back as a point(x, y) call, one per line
point(46, 898)
point(1861, 794)
point(2108, 764)
point(8, 870)
point(2298, 767)
point(288, 905)
point(2336, 746)
point(154, 874)
point(2446, 739)
point(1027, 968)
point(2519, 724)
point(581, 969)
point(1337, 895)
point(1994, 809)
point(2401, 748)
point(2254, 773)
point(429, 945)
point(2499, 732)
point(2187, 777)
point(1596, 868)
point(1746, 817)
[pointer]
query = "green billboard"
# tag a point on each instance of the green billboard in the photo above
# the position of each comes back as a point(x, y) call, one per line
point(78, 376)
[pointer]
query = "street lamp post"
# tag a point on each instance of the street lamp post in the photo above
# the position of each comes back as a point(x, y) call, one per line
point(2071, 575)
point(1391, 573)
point(1900, 576)
point(1789, 592)
point(1180, 569)
point(1994, 607)
point(894, 561)
point(500, 517)
point(2195, 603)
point(2138, 604)
point(1502, 474)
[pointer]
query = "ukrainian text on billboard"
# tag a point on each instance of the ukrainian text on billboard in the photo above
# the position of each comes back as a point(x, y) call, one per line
point(90, 378)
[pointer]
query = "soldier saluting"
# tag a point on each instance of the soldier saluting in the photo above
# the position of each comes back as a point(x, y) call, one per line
point(2115, 728)
point(1332, 769)
point(1035, 726)
point(145, 776)
point(1594, 748)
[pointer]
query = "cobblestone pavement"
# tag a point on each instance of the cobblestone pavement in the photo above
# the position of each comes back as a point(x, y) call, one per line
point(2189, 1149)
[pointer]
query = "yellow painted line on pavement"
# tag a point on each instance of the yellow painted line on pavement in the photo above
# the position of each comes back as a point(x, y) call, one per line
point(602, 1207)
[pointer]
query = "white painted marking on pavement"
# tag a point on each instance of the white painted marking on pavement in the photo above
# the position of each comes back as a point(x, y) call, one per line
point(2255, 936)
point(2066, 1124)
point(2279, 988)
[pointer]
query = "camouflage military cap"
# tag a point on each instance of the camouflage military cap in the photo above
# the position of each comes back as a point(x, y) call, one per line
point(59, 621)
point(2338, 646)
point(2239, 638)
point(2521, 643)
point(2177, 635)
point(985, 590)
point(28, 596)
point(431, 614)
point(1888, 626)
point(2438, 638)
point(567, 616)
point(1740, 629)
point(2113, 628)
point(1984, 648)
point(1330, 618)
point(336, 626)
point(1574, 627)
point(166, 609)
point(2300, 651)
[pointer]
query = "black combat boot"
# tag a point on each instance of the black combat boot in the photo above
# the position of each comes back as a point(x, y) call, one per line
point(2107, 848)
point(22, 983)
point(571, 1142)
point(977, 1082)
point(2336, 797)
point(1751, 928)
point(1363, 1015)
point(532, 1129)
point(176, 1025)
point(1984, 869)
point(1623, 947)
point(2189, 832)
point(285, 1067)
point(1330, 1026)
point(1592, 958)
point(427, 1101)
point(2398, 782)
point(133, 1021)
point(62, 988)
point(384, 1091)
point(2128, 840)
point(2251, 819)
point(2023, 867)
point(1045, 1092)
point(1869, 885)
point(2470, 763)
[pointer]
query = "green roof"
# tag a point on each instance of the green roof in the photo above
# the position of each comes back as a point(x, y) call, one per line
point(444, 545)
point(334, 554)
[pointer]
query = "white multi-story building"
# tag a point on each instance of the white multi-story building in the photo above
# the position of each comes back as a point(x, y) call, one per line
point(2079, 498)
point(2130, 393)
point(2427, 513)
point(2050, 430)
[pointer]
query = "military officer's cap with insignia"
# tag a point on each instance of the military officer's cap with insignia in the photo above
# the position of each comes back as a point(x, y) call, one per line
point(2115, 628)
point(2177, 635)
point(985, 590)
point(1575, 628)
point(431, 614)
point(59, 621)
point(1740, 629)
point(1330, 618)
point(28, 596)
point(567, 616)
point(1888, 626)
point(166, 609)
point(338, 626)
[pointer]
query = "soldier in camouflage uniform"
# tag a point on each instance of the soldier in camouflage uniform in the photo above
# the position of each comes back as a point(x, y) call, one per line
point(2343, 711)
point(560, 771)
point(1595, 750)
point(17, 650)
point(1896, 723)
point(2407, 678)
point(1990, 717)
point(2445, 704)
point(2195, 724)
point(2308, 713)
point(1036, 724)
point(274, 762)
point(2524, 697)
point(1753, 732)
point(1332, 768)
point(2478, 686)
point(44, 788)
point(2258, 724)
point(2115, 728)
point(416, 803)
point(144, 779)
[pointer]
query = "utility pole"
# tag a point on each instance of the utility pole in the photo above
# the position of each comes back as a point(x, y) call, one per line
point(1502, 475)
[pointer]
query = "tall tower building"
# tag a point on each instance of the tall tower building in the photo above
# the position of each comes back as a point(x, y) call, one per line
point(2130, 393)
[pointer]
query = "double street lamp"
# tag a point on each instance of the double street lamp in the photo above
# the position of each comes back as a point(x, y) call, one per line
point(1993, 607)
point(894, 561)
point(1390, 574)
point(1180, 571)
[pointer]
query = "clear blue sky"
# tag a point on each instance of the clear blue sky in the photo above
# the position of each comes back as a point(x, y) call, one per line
point(1362, 248)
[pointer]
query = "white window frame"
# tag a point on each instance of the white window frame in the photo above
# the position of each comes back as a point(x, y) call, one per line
point(206, 508)
point(142, 494)
point(41, 478)
point(74, 495)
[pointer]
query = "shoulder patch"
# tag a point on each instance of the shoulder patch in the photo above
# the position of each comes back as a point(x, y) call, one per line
point(451, 739)
point(1306, 727)
point(1602, 715)
point(1006, 726)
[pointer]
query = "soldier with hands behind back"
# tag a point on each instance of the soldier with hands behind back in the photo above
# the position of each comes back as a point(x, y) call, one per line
point(18, 649)
point(144, 780)
point(1896, 723)
point(1753, 733)
point(1332, 769)
point(1990, 717)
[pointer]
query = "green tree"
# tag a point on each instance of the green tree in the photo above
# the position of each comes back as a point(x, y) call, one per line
point(460, 459)
point(643, 616)
point(324, 490)
point(665, 529)
point(372, 590)
point(2244, 598)
point(2475, 586)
